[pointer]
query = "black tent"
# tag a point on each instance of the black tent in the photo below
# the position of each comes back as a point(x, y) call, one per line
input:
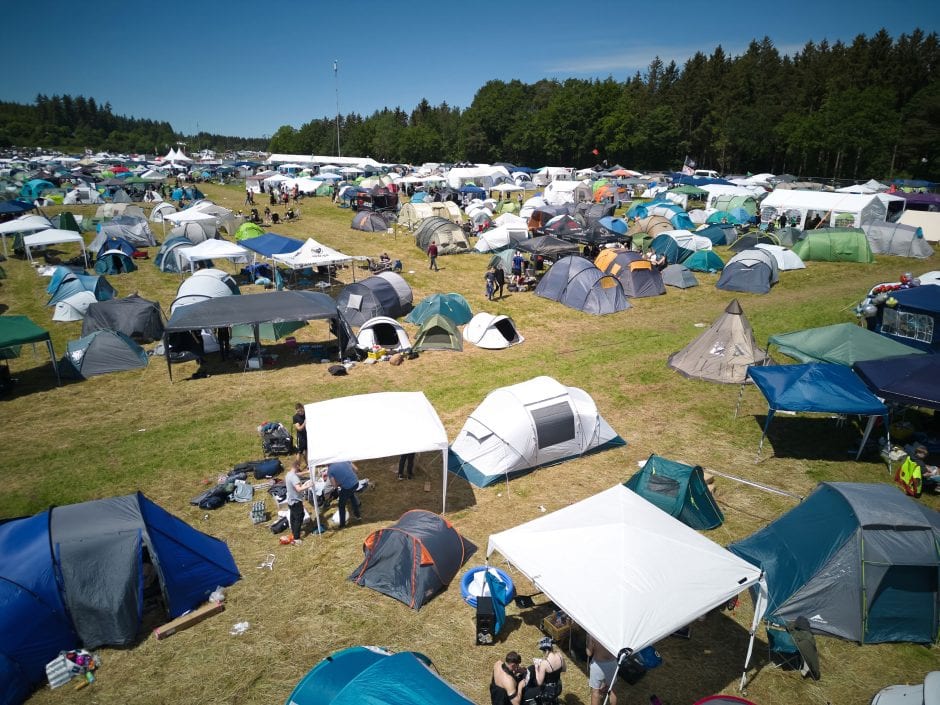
point(413, 559)
point(547, 246)
point(909, 380)
point(133, 315)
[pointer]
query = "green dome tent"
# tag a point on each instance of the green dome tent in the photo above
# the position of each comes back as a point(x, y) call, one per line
point(835, 245)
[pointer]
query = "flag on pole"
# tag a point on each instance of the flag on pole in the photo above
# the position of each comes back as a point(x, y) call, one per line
point(335, 66)
point(688, 165)
point(595, 151)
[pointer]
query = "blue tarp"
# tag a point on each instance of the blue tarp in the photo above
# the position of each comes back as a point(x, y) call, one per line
point(271, 244)
point(369, 676)
point(909, 380)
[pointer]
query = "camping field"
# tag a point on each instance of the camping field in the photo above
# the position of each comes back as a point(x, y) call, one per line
point(138, 430)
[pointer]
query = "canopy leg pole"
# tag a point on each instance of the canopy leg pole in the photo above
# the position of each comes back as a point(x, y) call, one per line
point(55, 365)
point(760, 606)
point(740, 397)
point(316, 504)
point(868, 427)
point(614, 679)
point(444, 498)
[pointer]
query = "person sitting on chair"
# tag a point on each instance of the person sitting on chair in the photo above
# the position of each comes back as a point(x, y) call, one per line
point(506, 686)
point(275, 219)
point(543, 683)
point(384, 257)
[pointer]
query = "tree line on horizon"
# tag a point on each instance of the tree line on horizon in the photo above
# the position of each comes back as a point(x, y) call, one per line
point(870, 108)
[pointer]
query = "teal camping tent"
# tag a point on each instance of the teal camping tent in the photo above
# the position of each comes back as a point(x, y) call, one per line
point(679, 490)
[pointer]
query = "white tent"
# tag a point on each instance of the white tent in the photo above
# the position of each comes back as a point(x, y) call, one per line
point(225, 218)
point(404, 422)
point(383, 332)
point(688, 240)
point(160, 211)
point(208, 222)
point(24, 224)
point(313, 254)
point(74, 307)
point(499, 237)
point(214, 249)
point(623, 569)
point(527, 425)
point(927, 221)
point(786, 259)
point(204, 284)
point(836, 208)
point(490, 332)
point(53, 236)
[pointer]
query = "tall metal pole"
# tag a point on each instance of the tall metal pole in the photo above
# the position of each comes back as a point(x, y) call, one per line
point(339, 152)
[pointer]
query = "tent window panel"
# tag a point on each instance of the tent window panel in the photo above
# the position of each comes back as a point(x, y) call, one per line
point(665, 486)
point(355, 302)
point(553, 424)
point(915, 326)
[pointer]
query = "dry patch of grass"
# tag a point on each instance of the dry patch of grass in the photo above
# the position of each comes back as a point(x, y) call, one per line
point(138, 430)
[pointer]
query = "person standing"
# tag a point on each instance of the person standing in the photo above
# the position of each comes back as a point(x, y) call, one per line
point(295, 500)
point(432, 256)
point(249, 197)
point(343, 476)
point(299, 421)
point(406, 461)
point(500, 280)
point(601, 671)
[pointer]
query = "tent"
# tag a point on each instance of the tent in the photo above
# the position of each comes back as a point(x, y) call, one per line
point(369, 221)
point(661, 575)
point(114, 261)
point(21, 226)
point(816, 387)
point(679, 276)
point(133, 229)
point(719, 233)
point(161, 210)
point(213, 249)
point(842, 344)
point(69, 283)
point(646, 228)
point(897, 239)
point(412, 213)
point(528, 425)
point(547, 246)
point(722, 353)
point(859, 561)
point(909, 380)
point(786, 259)
point(101, 352)
point(168, 257)
point(834, 208)
point(577, 283)
point(73, 308)
point(313, 254)
point(207, 222)
point(270, 244)
point(414, 559)
point(753, 271)
point(379, 295)
point(638, 277)
point(679, 490)
point(383, 332)
point(835, 245)
point(202, 285)
point(704, 261)
point(914, 319)
point(438, 332)
point(752, 239)
point(409, 424)
point(53, 236)
point(248, 230)
point(449, 237)
point(492, 332)
point(133, 316)
point(16, 331)
point(73, 574)
point(370, 675)
point(454, 306)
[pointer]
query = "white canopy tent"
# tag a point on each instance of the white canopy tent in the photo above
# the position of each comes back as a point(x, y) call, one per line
point(53, 236)
point(405, 423)
point(24, 224)
point(314, 254)
point(214, 249)
point(624, 570)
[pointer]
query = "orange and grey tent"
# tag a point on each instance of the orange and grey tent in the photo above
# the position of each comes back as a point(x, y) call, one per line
point(413, 559)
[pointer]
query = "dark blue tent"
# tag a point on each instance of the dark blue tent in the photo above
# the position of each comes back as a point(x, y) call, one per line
point(115, 243)
point(914, 320)
point(909, 380)
point(74, 575)
point(473, 190)
point(15, 206)
point(859, 561)
point(369, 675)
point(814, 387)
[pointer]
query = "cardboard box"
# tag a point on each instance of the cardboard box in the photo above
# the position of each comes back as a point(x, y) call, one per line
point(189, 619)
point(556, 632)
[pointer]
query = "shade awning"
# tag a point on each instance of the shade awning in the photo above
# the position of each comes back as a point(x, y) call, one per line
point(252, 309)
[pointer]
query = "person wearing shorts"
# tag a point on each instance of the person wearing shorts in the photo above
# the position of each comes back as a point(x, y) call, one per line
point(601, 670)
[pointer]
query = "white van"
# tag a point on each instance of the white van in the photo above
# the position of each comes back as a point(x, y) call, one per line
point(706, 173)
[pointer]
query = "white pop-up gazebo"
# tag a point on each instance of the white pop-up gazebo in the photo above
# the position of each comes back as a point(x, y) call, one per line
point(400, 422)
point(53, 236)
point(624, 570)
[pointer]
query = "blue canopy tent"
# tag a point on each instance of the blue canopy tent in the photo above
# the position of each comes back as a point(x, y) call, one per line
point(14, 207)
point(909, 380)
point(369, 675)
point(473, 190)
point(815, 387)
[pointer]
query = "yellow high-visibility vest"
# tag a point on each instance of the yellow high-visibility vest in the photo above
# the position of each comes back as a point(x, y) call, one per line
point(910, 477)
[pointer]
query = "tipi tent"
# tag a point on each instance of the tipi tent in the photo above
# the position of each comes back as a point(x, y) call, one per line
point(454, 306)
point(752, 271)
point(101, 352)
point(414, 559)
point(679, 490)
point(859, 561)
point(519, 428)
point(383, 332)
point(438, 332)
point(369, 674)
point(492, 332)
point(73, 574)
point(723, 352)
point(577, 283)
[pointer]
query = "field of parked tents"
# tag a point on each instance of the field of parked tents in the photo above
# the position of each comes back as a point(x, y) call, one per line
point(140, 430)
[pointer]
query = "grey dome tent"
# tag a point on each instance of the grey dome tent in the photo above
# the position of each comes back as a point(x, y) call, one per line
point(99, 353)
point(204, 284)
point(133, 316)
point(438, 332)
point(859, 561)
point(167, 259)
point(723, 352)
point(886, 238)
point(753, 271)
point(679, 276)
point(638, 277)
point(679, 490)
point(193, 231)
point(577, 283)
point(414, 559)
point(380, 295)
point(369, 221)
point(132, 228)
point(447, 235)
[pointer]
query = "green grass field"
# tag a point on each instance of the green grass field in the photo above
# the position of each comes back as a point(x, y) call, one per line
point(138, 430)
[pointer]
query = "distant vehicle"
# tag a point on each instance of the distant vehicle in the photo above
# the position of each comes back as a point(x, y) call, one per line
point(706, 173)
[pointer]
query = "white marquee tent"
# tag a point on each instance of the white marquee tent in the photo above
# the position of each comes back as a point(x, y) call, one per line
point(214, 249)
point(53, 236)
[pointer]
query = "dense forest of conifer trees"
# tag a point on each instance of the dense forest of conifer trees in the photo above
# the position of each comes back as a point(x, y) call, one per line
point(870, 108)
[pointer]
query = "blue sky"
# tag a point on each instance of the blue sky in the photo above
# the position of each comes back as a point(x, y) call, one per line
point(245, 68)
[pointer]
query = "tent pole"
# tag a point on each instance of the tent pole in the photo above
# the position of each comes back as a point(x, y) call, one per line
point(760, 605)
point(868, 427)
point(55, 365)
point(313, 484)
point(758, 485)
point(760, 446)
point(444, 498)
point(740, 397)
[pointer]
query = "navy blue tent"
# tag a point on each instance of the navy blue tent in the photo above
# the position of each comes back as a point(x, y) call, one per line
point(369, 675)
point(814, 387)
point(271, 244)
point(909, 380)
point(472, 190)
point(914, 320)
point(15, 206)
point(74, 575)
